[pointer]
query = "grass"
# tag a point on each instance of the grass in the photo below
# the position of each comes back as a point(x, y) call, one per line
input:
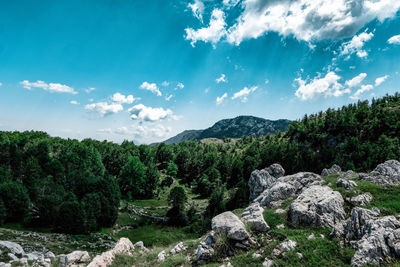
point(387, 198)
point(274, 219)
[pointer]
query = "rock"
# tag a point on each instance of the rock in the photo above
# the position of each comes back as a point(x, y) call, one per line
point(253, 217)
point(280, 226)
point(385, 173)
point(317, 206)
point(123, 246)
point(280, 211)
point(287, 246)
point(348, 175)
point(140, 245)
point(332, 170)
point(49, 255)
point(12, 257)
point(75, 258)
point(302, 180)
point(258, 182)
point(229, 224)
point(276, 252)
point(312, 236)
point(275, 195)
point(178, 248)
point(346, 184)
point(228, 264)
point(299, 255)
point(14, 248)
point(204, 253)
point(267, 262)
point(360, 200)
point(275, 170)
point(161, 256)
point(256, 255)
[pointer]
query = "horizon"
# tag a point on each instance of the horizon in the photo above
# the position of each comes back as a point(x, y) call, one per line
point(144, 72)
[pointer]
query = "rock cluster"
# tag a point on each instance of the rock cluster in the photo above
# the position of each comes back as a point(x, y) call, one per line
point(374, 238)
point(317, 206)
point(17, 256)
point(332, 170)
point(384, 174)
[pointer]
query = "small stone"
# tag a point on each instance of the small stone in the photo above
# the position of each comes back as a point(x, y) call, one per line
point(312, 236)
point(280, 226)
point(299, 255)
point(267, 262)
point(256, 255)
point(161, 256)
point(280, 211)
point(288, 245)
point(276, 252)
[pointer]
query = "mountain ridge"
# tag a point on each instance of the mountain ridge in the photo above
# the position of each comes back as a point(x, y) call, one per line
point(233, 128)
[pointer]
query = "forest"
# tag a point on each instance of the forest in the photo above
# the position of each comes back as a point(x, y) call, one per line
point(73, 186)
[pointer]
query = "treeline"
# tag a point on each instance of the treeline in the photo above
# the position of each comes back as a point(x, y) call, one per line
point(52, 181)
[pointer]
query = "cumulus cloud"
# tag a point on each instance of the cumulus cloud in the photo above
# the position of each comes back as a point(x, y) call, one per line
point(306, 20)
point(122, 99)
point(220, 99)
point(242, 94)
point(380, 80)
point(197, 8)
point(356, 44)
point(320, 86)
point(104, 108)
point(213, 33)
point(140, 132)
point(145, 113)
point(180, 85)
point(394, 39)
point(364, 88)
point(152, 87)
point(90, 89)
point(356, 80)
point(51, 87)
point(221, 79)
point(74, 102)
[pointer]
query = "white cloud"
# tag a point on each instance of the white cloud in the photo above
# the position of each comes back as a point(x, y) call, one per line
point(242, 94)
point(230, 3)
point(91, 99)
point(74, 102)
point(122, 99)
point(364, 88)
point(168, 98)
point(380, 80)
point(90, 89)
point(356, 44)
point(213, 33)
point(356, 80)
point(145, 113)
point(1, 84)
point(320, 86)
point(152, 87)
point(51, 87)
point(197, 8)
point(394, 39)
point(147, 133)
point(221, 98)
point(165, 83)
point(221, 79)
point(104, 108)
point(180, 85)
point(306, 20)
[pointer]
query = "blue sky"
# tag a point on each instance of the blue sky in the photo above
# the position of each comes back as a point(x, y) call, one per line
point(146, 70)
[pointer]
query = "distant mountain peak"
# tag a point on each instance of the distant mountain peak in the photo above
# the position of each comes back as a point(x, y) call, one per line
point(233, 128)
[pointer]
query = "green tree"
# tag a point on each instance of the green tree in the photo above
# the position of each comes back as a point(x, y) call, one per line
point(177, 197)
point(3, 212)
point(172, 169)
point(132, 178)
point(16, 200)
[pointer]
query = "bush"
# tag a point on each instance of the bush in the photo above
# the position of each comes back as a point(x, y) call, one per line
point(16, 200)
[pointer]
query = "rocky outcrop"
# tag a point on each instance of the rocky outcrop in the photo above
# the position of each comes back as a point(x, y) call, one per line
point(229, 224)
point(386, 173)
point(253, 217)
point(317, 206)
point(285, 187)
point(14, 248)
point(360, 200)
point(375, 239)
point(259, 181)
point(335, 169)
point(123, 246)
point(276, 170)
point(346, 184)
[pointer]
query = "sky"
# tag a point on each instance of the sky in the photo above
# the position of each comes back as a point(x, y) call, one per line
point(144, 71)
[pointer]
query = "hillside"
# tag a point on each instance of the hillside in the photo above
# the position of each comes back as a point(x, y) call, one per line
point(233, 128)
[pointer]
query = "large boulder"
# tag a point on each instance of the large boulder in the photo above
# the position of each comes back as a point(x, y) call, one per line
point(375, 239)
point(335, 169)
point(13, 247)
point(274, 196)
point(302, 180)
point(276, 170)
point(123, 246)
point(253, 217)
point(259, 181)
point(75, 258)
point(385, 173)
point(229, 224)
point(317, 206)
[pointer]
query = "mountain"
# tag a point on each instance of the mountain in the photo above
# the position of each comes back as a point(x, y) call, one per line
point(233, 128)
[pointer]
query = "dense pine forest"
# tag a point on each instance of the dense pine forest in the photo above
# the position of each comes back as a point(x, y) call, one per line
point(75, 186)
